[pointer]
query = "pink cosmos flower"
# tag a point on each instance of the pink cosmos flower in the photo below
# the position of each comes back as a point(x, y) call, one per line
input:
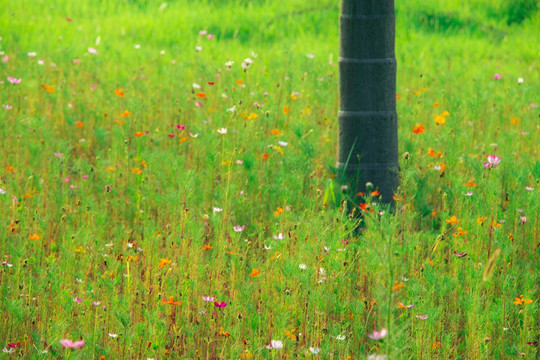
point(460, 254)
point(181, 127)
point(7, 106)
point(220, 305)
point(13, 80)
point(422, 317)
point(67, 343)
point(5, 59)
point(93, 51)
point(78, 300)
point(96, 303)
point(210, 36)
point(239, 228)
point(492, 161)
point(378, 335)
point(523, 218)
point(496, 76)
point(208, 298)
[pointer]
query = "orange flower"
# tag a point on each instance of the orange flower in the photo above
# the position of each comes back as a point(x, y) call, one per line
point(184, 139)
point(110, 169)
point(418, 129)
point(459, 232)
point(265, 156)
point(398, 96)
point(306, 111)
point(469, 183)
point(255, 273)
point(398, 286)
point(275, 132)
point(49, 88)
point(365, 207)
point(136, 171)
point(207, 247)
point(286, 109)
point(239, 82)
point(435, 104)
point(520, 300)
point(278, 211)
point(34, 237)
point(125, 113)
point(171, 301)
point(201, 95)
point(375, 193)
point(11, 168)
point(514, 120)
point(164, 262)
point(138, 133)
point(119, 92)
point(453, 220)
point(79, 124)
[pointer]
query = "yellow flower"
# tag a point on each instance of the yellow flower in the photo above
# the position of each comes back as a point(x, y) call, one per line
point(480, 220)
point(440, 120)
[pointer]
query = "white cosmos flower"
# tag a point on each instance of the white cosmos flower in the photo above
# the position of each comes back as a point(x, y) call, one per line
point(276, 344)
point(222, 130)
point(302, 266)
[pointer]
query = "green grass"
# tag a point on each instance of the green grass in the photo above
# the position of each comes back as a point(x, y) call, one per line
point(89, 209)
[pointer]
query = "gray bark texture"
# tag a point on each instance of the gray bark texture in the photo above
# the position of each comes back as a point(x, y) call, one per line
point(368, 144)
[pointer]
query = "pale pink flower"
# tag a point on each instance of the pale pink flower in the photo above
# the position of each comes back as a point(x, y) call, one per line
point(421, 317)
point(239, 228)
point(13, 80)
point(5, 59)
point(492, 161)
point(496, 76)
point(93, 51)
point(67, 343)
point(208, 298)
point(378, 335)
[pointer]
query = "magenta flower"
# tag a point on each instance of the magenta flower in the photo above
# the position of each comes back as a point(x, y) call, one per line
point(378, 335)
point(181, 127)
point(496, 76)
point(220, 305)
point(72, 345)
point(78, 300)
point(460, 254)
point(13, 80)
point(492, 161)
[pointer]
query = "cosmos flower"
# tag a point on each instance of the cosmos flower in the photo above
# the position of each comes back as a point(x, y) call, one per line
point(492, 161)
point(67, 343)
point(378, 335)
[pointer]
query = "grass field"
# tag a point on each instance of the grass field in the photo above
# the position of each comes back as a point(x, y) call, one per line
point(164, 197)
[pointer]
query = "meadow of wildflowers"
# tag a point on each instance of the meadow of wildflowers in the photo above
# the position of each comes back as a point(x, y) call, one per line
point(168, 189)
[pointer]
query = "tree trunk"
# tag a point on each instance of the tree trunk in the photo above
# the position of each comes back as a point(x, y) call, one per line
point(368, 145)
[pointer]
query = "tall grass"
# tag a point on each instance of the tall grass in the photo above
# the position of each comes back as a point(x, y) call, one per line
point(121, 201)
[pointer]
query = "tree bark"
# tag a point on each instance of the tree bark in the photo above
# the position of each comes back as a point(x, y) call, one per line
point(368, 144)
